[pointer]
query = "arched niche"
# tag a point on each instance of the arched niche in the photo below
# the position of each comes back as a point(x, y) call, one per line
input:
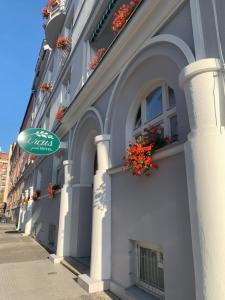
point(83, 154)
point(161, 60)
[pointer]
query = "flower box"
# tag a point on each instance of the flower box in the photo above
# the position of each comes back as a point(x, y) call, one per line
point(36, 195)
point(63, 42)
point(46, 87)
point(60, 113)
point(95, 60)
point(138, 159)
point(52, 190)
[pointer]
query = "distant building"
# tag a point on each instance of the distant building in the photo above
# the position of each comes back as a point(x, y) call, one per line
point(3, 174)
point(18, 162)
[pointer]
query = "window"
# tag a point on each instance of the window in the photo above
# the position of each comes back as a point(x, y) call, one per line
point(47, 120)
point(150, 270)
point(57, 170)
point(154, 104)
point(39, 177)
point(158, 109)
point(65, 92)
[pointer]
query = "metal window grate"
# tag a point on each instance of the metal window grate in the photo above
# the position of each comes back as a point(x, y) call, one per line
point(150, 270)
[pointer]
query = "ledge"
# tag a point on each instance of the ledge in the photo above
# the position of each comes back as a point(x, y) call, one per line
point(160, 154)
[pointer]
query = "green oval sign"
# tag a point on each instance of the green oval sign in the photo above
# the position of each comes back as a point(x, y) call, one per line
point(38, 141)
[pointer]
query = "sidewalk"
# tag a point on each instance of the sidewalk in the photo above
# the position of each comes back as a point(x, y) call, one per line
point(27, 274)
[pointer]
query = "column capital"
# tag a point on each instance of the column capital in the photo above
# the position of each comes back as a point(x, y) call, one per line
point(202, 84)
point(67, 162)
point(198, 67)
point(102, 138)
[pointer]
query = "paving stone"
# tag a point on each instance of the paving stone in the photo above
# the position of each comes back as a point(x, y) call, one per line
point(27, 274)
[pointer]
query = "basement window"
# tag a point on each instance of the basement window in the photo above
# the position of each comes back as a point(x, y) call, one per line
point(150, 270)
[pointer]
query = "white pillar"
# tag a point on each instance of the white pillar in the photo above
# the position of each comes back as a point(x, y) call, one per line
point(63, 244)
point(205, 166)
point(101, 226)
point(24, 212)
point(28, 223)
point(20, 217)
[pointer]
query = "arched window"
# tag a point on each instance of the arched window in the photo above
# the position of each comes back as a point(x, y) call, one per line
point(157, 109)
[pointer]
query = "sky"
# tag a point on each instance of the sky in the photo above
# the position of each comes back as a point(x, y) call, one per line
point(21, 38)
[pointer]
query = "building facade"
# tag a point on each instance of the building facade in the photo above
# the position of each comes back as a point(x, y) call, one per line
point(3, 174)
point(108, 70)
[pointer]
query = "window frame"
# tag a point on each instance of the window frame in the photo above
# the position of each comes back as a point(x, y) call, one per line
point(142, 285)
point(163, 118)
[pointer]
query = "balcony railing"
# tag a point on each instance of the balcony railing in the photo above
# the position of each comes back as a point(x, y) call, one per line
point(55, 21)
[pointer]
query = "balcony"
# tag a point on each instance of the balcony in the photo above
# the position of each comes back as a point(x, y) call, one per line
point(55, 21)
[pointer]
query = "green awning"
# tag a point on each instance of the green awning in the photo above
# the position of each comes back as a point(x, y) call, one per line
point(103, 19)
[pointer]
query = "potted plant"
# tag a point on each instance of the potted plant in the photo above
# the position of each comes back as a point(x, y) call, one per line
point(52, 190)
point(95, 60)
point(36, 195)
point(63, 43)
point(60, 113)
point(45, 12)
point(45, 87)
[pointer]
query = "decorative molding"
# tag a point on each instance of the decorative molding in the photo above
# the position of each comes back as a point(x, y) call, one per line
point(198, 67)
point(99, 118)
point(81, 185)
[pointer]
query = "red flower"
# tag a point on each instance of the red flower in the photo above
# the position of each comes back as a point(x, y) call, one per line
point(45, 12)
point(138, 157)
point(52, 190)
point(123, 14)
point(36, 195)
point(53, 3)
point(45, 87)
point(60, 113)
point(32, 157)
point(63, 42)
point(95, 60)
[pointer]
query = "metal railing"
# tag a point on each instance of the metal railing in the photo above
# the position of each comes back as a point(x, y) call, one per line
point(150, 271)
point(58, 8)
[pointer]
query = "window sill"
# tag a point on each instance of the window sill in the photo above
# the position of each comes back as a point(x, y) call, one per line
point(135, 292)
point(162, 153)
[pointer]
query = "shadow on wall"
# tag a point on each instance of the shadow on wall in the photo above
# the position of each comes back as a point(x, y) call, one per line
point(44, 223)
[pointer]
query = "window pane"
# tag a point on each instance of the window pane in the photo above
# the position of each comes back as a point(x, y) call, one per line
point(138, 119)
point(172, 101)
point(173, 127)
point(154, 104)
